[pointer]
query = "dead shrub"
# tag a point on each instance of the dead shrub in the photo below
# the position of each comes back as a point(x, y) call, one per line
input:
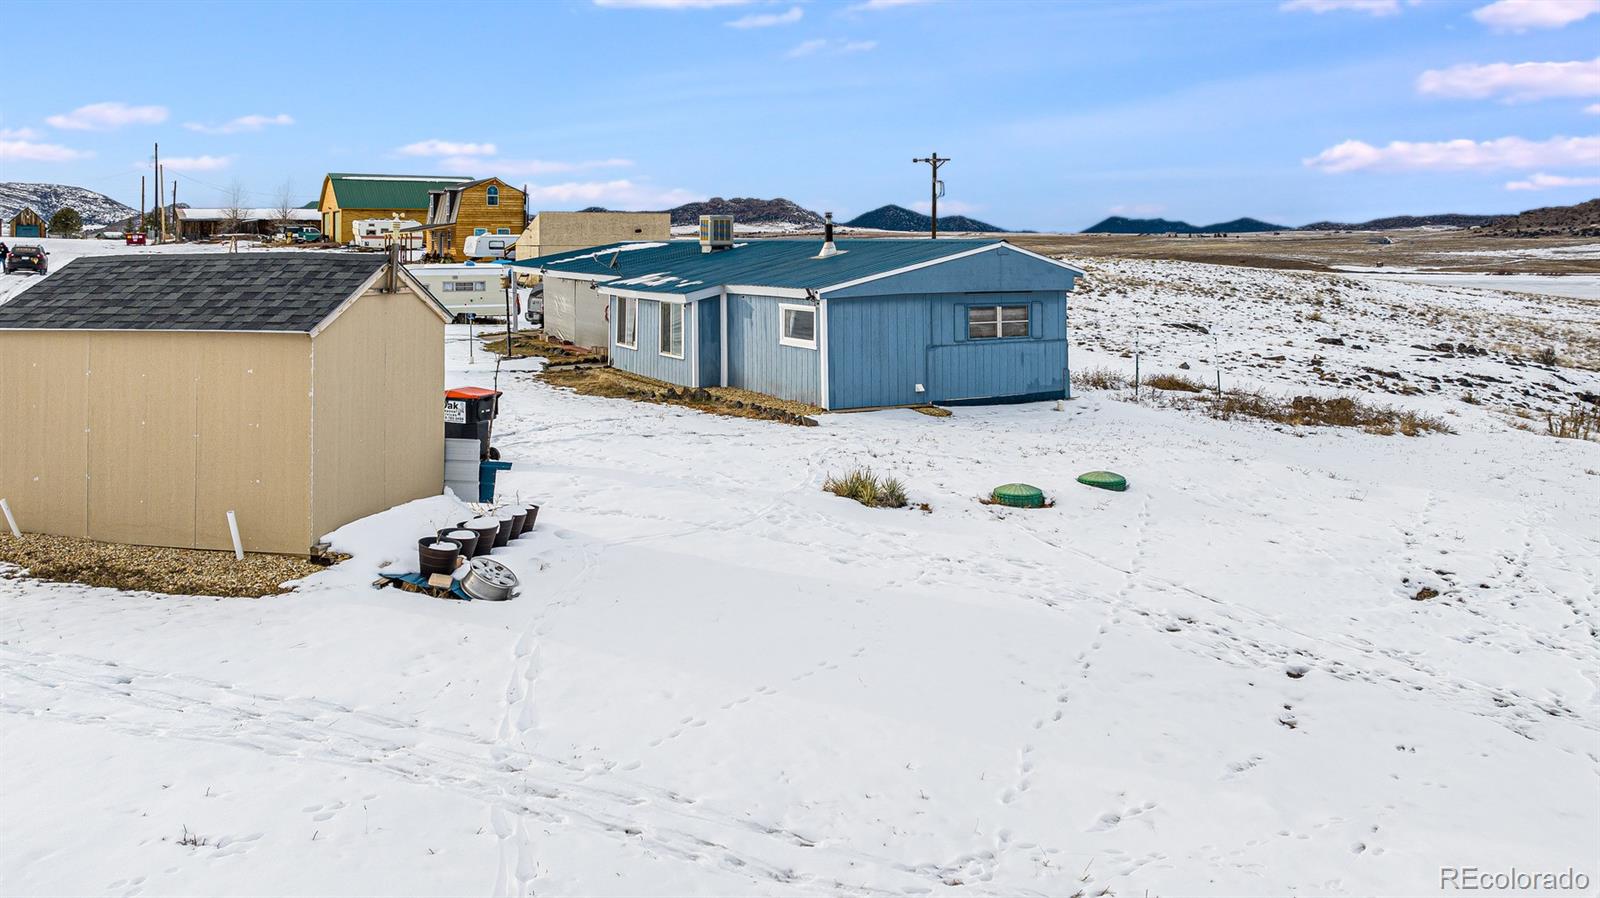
point(867, 488)
point(1175, 382)
point(1100, 379)
point(1547, 356)
point(1311, 411)
point(1581, 422)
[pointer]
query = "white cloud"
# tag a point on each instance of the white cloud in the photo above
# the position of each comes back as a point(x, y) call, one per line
point(18, 134)
point(446, 148)
point(529, 167)
point(242, 123)
point(832, 47)
point(1459, 155)
point(1137, 210)
point(194, 163)
point(1521, 15)
point(768, 19)
point(1543, 181)
point(107, 116)
point(1592, 109)
point(613, 194)
point(15, 145)
point(669, 4)
point(1513, 82)
point(1370, 7)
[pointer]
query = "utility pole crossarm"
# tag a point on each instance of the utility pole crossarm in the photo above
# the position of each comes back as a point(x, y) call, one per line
point(934, 162)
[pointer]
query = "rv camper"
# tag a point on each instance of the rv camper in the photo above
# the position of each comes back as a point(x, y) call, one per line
point(490, 246)
point(466, 289)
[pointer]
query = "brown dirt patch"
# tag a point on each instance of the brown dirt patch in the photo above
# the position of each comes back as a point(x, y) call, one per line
point(614, 384)
point(183, 572)
point(525, 344)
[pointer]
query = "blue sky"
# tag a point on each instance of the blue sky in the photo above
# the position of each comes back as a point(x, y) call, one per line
point(1056, 114)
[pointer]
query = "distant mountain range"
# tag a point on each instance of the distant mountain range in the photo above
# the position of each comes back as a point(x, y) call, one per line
point(899, 218)
point(1580, 220)
point(1394, 222)
point(1117, 224)
point(96, 209)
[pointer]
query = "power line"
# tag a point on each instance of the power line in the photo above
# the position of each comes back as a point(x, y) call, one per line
point(934, 164)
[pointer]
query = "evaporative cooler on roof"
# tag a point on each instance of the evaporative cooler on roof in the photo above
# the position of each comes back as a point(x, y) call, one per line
point(716, 232)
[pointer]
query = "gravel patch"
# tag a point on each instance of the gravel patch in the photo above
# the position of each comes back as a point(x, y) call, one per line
point(184, 572)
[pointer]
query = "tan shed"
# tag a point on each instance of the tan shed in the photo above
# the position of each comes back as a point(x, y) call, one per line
point(144, 398)
point(28, 223)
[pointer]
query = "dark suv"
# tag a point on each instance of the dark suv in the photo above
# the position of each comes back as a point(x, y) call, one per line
point(31, 258)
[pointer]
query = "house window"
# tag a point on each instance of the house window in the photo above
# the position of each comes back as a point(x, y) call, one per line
point(627, 322)
point(799, 325)
point(994, 322)
point(493, 194)
point(502, 230)
point(465, 286)
point(479, 232)
point(671, 329)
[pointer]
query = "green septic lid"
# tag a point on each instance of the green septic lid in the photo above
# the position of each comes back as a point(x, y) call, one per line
point(1104, 480)
point(1020, 495)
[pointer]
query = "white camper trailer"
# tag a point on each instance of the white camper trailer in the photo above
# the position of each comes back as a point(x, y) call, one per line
point(376, 233)
point(468, 288)
point(490, 246)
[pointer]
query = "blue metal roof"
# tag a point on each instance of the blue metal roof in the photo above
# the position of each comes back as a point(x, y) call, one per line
point(679, 267)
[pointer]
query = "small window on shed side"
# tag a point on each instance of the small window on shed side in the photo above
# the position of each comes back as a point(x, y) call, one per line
point(799, 326)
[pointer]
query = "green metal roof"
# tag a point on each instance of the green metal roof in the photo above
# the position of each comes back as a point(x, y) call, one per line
point(358, 191)
point(679, 267)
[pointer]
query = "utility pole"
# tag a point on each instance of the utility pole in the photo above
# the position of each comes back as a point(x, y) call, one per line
point(934, 163)
point(177, 231)
point(141, 204)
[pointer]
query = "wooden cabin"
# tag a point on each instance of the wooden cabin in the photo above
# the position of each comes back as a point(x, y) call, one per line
point(28, 223)
point(488, 206)
point(347, 198)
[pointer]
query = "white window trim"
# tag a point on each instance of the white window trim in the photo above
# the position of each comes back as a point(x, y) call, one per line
point(683, 328)
point(632, 305)
point(792, 341)
point(1000, 322)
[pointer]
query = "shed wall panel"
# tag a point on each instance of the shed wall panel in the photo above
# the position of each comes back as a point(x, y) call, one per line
point(143, 391)
point(378, 414)
point(44, 451)
point(757, 361)
point(708, 326)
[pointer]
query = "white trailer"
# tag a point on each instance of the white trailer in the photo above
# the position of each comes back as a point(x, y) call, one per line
point(468, 288)
point(490, 246)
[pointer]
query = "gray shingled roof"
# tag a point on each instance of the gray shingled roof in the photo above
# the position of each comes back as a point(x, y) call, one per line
point(282, 291)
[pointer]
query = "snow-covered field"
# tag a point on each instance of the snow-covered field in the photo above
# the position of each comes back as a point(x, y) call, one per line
point(721, 680)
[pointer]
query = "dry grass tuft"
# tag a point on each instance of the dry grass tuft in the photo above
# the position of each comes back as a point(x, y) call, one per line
point(1581, 422)
point(1175, 382)
point(1100, 379)
point(1310, 411)
point(867, 488)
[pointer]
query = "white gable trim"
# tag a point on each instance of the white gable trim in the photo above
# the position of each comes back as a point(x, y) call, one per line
point(943, 259)
point(779, 292)
point(707, 293)
point(570, 275)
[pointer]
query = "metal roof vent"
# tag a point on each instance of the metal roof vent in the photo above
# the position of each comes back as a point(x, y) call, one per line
point(716, 233)
point(828, 248)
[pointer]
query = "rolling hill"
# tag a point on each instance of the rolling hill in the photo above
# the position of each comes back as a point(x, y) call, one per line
point(899, 218)
point(96, 209)
point(1117, 224)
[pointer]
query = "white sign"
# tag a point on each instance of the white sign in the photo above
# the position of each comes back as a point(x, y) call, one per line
point(455, 411)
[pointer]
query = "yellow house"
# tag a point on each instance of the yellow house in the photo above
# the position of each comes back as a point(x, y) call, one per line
point(484, 208)
point(347, 198)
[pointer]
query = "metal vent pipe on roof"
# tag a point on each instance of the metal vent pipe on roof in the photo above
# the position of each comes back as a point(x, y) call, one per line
point(828, 248)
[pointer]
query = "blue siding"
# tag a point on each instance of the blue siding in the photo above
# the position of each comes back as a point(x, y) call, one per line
point(709, 321)
point(647, 358)
point(881, 347)
point(757, 361)
point(1000, 270)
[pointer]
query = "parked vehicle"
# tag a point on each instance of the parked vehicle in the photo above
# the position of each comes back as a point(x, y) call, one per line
point(29, 258)
point(134, 238)
point(306, 234)
point(467, 288)
point(489, 246)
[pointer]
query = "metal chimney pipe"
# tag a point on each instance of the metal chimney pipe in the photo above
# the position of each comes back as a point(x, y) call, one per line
point(827, 227)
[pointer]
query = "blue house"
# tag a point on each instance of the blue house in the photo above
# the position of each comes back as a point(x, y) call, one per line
point(857, 323)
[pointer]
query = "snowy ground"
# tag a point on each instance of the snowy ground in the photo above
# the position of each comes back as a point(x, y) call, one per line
point(721, 680)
